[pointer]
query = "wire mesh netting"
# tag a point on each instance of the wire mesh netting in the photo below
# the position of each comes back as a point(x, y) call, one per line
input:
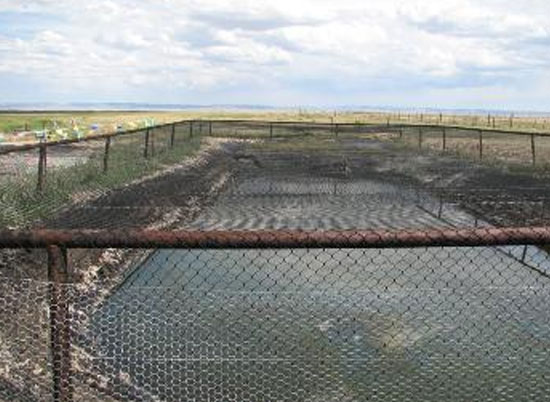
point(417, 324)
point(446, 317)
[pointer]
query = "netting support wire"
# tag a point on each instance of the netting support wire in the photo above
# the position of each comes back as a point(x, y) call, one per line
point(60, 335)
point(42, 163)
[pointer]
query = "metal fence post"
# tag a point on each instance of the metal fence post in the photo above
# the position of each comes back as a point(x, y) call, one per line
point(336, 129)
point(106, 154)
point(152, 139)
point(270, 130)
point(146, 151)
point(210, 128)
point(533, 149)
point(480, 145)
point(420, 138)
point(60, 323)
point(42, 164)
point(173, 135)
point(444, 139)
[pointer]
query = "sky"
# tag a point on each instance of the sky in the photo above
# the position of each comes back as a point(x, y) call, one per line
point(491, 54)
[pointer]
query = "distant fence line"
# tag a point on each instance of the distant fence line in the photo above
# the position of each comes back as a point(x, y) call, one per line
point(334, 126)
point(267, 129)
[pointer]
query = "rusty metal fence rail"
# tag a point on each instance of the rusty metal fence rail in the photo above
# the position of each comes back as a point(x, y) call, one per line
point(276, 315)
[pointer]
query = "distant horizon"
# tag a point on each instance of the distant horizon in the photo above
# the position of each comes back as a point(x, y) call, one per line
point(6, 107)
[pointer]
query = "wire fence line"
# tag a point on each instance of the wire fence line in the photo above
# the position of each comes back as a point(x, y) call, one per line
point(423, 315)
point(511, 147)
point(36, 180)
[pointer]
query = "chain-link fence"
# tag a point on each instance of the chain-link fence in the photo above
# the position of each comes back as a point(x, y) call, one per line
point(283, 261)
point(248, 316)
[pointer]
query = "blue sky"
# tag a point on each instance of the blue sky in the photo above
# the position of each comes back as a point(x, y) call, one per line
point(493, 54)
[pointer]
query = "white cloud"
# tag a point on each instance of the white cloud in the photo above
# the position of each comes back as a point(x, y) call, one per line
point(197, 50)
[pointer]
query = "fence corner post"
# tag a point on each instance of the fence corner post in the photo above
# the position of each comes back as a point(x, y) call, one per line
point(60, 323)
